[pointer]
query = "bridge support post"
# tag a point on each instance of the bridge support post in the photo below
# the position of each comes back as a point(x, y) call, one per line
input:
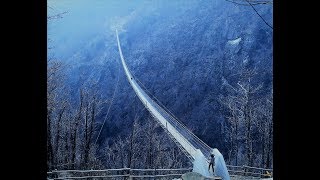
point(220, 165)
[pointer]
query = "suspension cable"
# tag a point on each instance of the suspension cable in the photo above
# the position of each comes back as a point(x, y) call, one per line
point(113, 95)
point(259, 15)
point(198, 141)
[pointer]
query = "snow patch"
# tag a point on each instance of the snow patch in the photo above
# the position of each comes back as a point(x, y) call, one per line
point(235, 41)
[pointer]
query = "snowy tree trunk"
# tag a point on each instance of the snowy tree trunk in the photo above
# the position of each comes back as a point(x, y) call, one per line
point(58, 135)
point(49, 143)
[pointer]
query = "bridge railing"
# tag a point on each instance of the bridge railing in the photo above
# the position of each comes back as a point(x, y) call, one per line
point(123, 173)
point(250, 171)
point(127, 173)
point(175, 128)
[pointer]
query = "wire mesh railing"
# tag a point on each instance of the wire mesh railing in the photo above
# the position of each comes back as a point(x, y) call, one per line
point(128, 173)
point(119, 174)
point(250, 171)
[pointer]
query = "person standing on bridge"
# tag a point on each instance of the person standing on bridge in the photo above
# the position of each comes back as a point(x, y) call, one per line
point(211, 163)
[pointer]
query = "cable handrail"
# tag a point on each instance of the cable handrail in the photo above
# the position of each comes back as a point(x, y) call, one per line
point(144, 97)
point(169, 113)
point(188, 137)
point(165, 110)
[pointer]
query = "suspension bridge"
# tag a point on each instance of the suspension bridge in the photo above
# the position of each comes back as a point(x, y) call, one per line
point(193, 147)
